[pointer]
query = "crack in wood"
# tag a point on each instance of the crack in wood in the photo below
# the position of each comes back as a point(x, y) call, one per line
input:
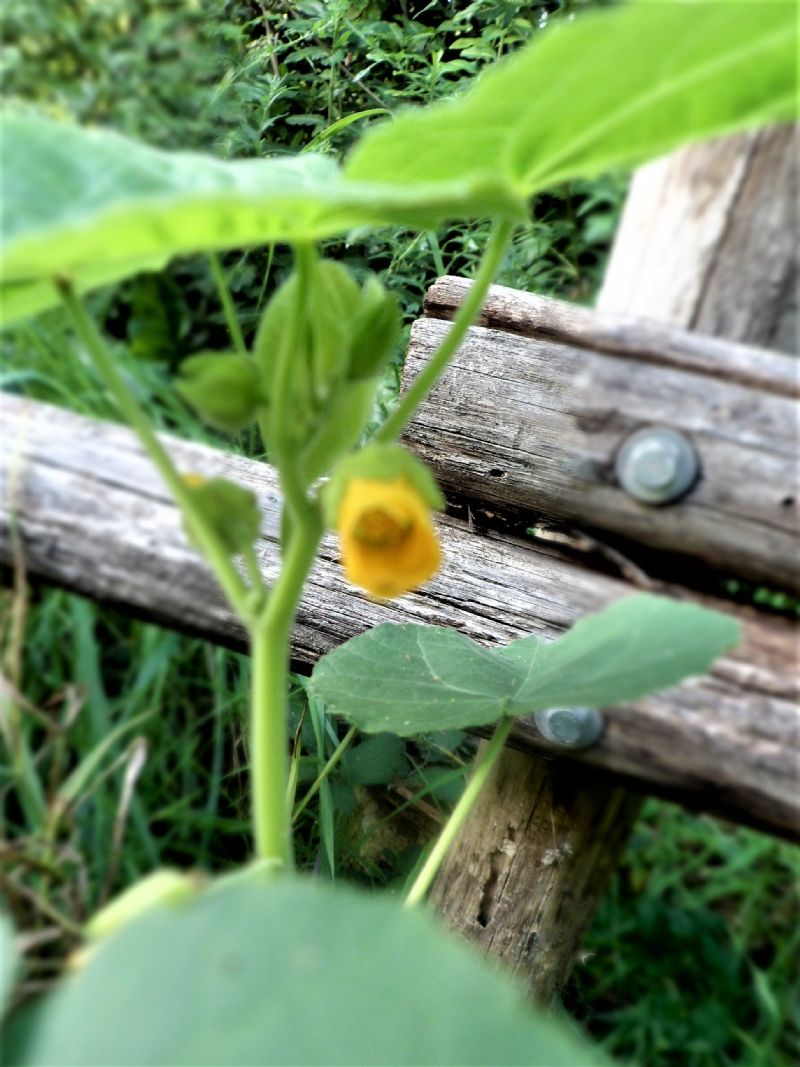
point(500, 863)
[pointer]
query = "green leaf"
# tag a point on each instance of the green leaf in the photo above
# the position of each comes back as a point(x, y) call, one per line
point(350, 409)
point(8, 960)
point(410, 679)
point(231, 509)
point(333, 300)
point(375, 331)
point(377, 761)
point(289, 972)
point(637, 646)
point(94, 206)
point(224, 389)
point(612, 88)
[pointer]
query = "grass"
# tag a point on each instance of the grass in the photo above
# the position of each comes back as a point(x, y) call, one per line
point(137, 754)
point(692, 957)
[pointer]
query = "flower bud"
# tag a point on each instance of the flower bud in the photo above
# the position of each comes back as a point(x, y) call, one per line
point(223, 389)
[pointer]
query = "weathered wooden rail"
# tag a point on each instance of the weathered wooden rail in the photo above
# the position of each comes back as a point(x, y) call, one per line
point(92, 515)
point(529, 421)
point(569, 389)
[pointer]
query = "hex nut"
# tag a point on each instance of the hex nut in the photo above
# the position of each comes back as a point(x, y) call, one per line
point(657, 465)
point(570, 727)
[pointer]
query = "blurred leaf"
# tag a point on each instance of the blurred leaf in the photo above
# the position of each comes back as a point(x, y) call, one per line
point(229, 508)
point(289, 972)
point(611, 89)
point(223, 388)
point(95, 206)
point(377, 761)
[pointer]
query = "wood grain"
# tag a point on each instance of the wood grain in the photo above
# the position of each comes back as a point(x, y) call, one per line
point(632, 337)
point(93, 516)
point(708, 240)
point(558, 414)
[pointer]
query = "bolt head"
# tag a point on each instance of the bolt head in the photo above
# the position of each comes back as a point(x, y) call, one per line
point(570, 727)
point(657, 465)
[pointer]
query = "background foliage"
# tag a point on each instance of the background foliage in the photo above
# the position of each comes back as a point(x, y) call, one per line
point(690, 959)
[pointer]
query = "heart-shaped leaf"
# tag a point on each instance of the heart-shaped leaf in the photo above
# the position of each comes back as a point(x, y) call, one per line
point(411, 679)
point(287, 972)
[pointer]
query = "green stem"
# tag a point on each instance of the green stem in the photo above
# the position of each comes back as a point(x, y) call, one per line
point(229, 578)
point(234, 329)
point(459, 814)
point(344, 744)
point(253, 569)
point(282, 410)
point(270, 637)
point(464, 318)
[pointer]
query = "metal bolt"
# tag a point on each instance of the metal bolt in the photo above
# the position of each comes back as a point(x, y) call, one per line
point(570, 727)
point(657, 465)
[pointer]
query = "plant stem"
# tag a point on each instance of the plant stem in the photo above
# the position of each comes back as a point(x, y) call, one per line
point(234, 329)
point(344, 744)
point(270, 653)
point(459, 814)
point(282, 411)
point(253, 568)
point(464, 318)
point(229, 578)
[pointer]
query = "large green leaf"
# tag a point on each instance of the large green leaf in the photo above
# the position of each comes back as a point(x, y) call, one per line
point(94, 206)
point(411, 679)
point(613, 88)
point(288, 972)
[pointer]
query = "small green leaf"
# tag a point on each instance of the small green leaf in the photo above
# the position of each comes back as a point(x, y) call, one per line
point(375, 331)
point(271, 336)
point(225, 390)
point(231, 509)
point(285, 971)
point(350, 409)
point(660, 74)
point(410, 679)
point(377, 761)
point(637, 646)
point(333, 300)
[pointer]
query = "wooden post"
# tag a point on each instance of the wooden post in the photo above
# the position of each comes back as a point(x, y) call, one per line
point(708, 242)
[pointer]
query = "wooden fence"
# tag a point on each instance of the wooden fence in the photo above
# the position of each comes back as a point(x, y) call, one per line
point(524, 432)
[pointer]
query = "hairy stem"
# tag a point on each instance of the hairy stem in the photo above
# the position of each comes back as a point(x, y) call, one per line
point(270, 651)
point(282, 412)
point(234, 329)
point(464, 318)
point(229, 578)
point(459, 814)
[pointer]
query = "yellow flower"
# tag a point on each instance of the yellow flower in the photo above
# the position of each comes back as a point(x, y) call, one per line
point(389, 545)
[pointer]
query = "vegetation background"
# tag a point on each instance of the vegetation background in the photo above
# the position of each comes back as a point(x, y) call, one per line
point(138, 732)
